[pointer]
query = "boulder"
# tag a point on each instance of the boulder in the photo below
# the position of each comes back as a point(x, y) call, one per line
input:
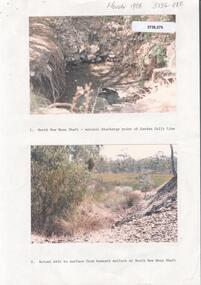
point(111, 95)
point(93, 49)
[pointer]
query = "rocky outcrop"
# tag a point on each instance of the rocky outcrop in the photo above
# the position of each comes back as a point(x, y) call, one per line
point(164, 200)
point(65, 51)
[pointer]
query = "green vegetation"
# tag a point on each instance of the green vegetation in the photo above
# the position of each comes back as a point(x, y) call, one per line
point(58, 184)
point(128, 179)
point(159, 52)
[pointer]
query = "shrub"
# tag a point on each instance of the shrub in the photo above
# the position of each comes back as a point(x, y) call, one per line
point(146, 183)
point(58, 185)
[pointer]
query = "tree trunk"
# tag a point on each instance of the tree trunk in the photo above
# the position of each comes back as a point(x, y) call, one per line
point(172, 161)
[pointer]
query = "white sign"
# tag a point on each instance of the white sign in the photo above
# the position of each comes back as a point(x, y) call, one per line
point(154, 27)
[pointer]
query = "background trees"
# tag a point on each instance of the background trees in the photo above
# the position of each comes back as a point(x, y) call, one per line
point(158, 163)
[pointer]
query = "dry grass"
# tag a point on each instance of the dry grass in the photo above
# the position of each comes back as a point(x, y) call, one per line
point(99, 209)
point(116, 201)
point(91, 216)
point(107, 198)
point(47, 75)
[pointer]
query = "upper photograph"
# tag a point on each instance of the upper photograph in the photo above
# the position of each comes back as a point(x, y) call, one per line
point(102, 64)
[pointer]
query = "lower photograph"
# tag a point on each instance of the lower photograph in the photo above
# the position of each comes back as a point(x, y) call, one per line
point(103, 193)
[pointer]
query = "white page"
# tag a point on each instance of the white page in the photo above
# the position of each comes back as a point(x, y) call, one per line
point(26, 262)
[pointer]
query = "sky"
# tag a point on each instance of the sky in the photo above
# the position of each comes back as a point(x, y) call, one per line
point(135, 151)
